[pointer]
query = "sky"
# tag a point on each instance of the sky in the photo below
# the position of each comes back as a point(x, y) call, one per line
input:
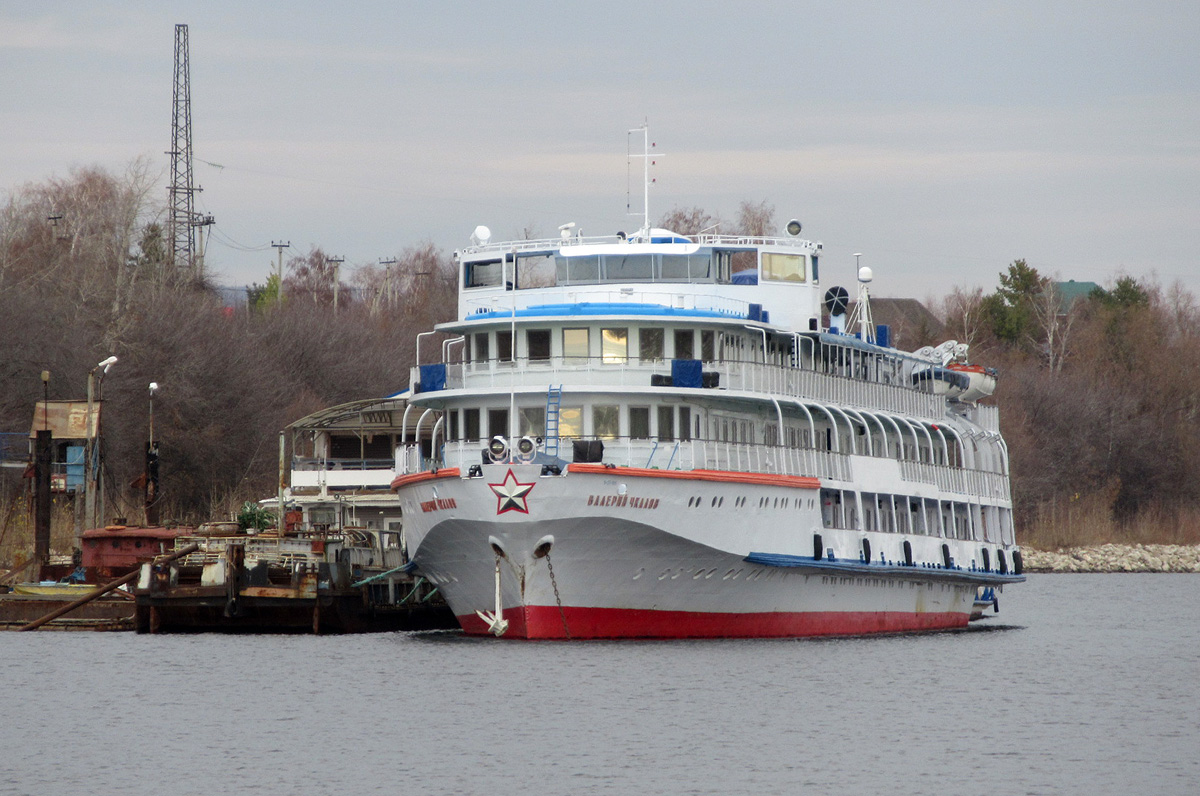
point(941, 140)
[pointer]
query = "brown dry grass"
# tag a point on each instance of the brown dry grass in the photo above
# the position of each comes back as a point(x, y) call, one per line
point(1087, 521)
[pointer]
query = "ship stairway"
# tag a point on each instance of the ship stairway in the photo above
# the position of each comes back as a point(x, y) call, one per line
point(553, 406)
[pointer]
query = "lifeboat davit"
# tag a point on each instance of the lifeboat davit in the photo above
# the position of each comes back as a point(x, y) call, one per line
point(981, 381)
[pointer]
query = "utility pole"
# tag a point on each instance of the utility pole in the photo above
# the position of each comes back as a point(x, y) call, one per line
point(387, 280)
point(200, 223)
point(337, 277)
point(43, 456)
point(279, 270)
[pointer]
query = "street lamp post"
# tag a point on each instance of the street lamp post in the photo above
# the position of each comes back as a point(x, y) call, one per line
point(91, 448)
point(151, 475)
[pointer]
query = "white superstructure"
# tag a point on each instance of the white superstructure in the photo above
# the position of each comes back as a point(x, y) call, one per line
point(658, 436)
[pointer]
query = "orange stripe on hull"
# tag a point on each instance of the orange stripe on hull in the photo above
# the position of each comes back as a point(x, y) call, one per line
point(429, 475)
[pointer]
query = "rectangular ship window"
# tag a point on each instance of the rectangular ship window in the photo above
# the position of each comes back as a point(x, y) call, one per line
point(606, 422)
point(532, 421)
point(639, 422)
point(570, 421)
point(650, 344)
point(497, 422)
point(666, 423)
point(575, 346)
point(629, 267)
point(538, 341)
point(614, 346)
point(577, 270)
point(783, 267)
point(684, 344)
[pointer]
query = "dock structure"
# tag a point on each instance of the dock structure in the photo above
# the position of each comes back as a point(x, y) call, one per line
point(350, 581)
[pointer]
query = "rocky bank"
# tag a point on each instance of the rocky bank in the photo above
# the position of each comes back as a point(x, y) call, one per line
point(1115, 558)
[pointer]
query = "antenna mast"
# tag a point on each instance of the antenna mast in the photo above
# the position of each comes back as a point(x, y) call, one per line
point(646, 164)
point(181, 227)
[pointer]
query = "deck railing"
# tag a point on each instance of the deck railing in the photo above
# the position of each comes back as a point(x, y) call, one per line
point(782, 383)
point(734, 457)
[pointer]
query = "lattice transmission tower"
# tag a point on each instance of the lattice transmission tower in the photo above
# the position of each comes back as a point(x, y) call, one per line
point(182, 221)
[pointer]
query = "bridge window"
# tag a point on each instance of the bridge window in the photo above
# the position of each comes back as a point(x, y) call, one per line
point(535, 270)
point(487, 273)
point(471, 424)
point(629, 268)
point(783, 267)
point(577, 270)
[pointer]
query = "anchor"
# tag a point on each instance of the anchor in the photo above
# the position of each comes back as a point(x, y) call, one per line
point(497, 625)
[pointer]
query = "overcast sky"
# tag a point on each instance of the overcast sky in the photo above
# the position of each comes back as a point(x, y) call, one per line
point(941, 140)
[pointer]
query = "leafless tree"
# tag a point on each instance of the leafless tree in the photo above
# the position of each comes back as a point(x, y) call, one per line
point(690, 221)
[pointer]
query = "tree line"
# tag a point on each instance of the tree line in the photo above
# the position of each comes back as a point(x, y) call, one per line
point(1098, 395)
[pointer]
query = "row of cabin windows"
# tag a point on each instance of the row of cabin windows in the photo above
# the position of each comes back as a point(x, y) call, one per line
point(537, 270)
point(615, 345)
point(602, 421)
point(908, 514)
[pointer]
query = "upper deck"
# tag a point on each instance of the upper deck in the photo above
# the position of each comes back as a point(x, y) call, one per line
point(723, 274)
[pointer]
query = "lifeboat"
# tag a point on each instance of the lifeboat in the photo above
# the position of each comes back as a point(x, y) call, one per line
point(941, 381)
point(981, 381)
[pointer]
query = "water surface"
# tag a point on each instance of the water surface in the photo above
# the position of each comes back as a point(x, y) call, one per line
point(1082, 684)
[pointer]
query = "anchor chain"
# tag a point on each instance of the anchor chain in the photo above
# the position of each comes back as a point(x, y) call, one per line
point(557, 599)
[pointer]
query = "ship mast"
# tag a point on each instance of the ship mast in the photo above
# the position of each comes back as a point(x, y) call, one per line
point(644, 129)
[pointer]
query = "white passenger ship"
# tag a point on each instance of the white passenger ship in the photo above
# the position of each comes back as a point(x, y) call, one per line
point(660, 436)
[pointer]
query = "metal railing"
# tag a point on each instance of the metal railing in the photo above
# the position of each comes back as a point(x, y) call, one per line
point(752, 377)
point(664, 455)
point(961, 481)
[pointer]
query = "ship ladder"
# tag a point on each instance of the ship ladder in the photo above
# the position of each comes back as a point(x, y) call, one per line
point(553, 405)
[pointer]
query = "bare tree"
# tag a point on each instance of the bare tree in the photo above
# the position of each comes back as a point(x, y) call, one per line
point(690, 221)
point(962, 313)
point(757, 220)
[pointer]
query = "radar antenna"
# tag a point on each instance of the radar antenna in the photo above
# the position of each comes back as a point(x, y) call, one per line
point(862, 307)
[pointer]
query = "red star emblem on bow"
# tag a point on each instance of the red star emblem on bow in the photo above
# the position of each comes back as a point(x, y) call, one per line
point(511, 494)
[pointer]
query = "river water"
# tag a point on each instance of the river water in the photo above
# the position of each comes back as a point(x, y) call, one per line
point(1083, 684)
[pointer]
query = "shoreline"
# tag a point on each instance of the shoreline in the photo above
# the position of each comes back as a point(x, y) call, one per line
point(1114, 558)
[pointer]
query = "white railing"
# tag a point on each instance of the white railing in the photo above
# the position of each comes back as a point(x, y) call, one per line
point(960, 481)
point(672, 455)
point(752, 377)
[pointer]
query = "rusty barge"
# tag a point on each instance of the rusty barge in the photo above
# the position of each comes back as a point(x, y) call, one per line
point(352, 580)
